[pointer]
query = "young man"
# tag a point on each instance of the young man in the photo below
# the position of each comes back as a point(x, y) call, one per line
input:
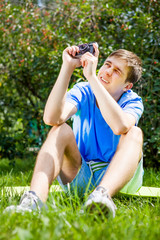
point(103, 153)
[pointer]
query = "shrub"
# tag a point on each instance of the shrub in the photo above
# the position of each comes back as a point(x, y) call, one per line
point(32, 41)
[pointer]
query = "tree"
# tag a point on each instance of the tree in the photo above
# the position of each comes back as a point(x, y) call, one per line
point(32, 41)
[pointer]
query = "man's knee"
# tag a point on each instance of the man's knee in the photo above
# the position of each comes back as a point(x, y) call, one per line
point(136, 134)
point(61, 131)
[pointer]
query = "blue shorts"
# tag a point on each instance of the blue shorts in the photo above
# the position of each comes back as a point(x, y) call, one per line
point(90, 175)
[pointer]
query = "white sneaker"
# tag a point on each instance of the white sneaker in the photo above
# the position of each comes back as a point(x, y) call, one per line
point(99, 199)
point(28, 203)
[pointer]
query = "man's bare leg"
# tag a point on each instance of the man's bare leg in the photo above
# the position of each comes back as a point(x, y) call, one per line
point(58, 155)
point(124, 162)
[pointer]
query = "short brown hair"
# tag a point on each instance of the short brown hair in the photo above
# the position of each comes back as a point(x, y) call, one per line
point(133, 61)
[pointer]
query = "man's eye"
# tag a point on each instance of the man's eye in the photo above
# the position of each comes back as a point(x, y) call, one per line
point(117, 71)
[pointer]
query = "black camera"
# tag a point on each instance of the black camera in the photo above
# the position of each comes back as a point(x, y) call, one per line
point(83, 48)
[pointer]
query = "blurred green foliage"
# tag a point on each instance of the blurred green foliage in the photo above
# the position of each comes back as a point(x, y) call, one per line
point(32, 41)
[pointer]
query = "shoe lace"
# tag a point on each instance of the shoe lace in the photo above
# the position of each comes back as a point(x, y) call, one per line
point(104, 193)
point(28, 199)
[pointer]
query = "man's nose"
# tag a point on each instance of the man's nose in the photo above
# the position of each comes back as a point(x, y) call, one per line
point(109, 71)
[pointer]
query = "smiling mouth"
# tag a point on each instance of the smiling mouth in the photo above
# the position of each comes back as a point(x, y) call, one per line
point(104, 80)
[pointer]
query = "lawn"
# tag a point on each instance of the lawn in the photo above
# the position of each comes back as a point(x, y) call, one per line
point(136, 217)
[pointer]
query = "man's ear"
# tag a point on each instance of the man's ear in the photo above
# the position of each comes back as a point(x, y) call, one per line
point(128, 86)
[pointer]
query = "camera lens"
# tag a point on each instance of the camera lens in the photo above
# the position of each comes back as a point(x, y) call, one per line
point(83, 46)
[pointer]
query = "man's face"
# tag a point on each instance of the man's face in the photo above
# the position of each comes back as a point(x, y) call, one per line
point(112, 76)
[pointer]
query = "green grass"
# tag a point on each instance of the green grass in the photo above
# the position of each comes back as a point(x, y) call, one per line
point(136, 217)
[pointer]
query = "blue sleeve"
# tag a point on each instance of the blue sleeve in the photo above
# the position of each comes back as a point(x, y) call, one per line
point(76, 95)
point(131, 103)
point(135, 108)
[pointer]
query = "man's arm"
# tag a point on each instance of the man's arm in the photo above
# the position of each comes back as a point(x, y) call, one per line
point(57, 110)
point(119, 121)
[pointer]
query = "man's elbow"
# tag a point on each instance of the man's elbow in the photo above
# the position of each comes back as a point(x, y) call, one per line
point(121, 129)
point(48, 121)
point(51, 121)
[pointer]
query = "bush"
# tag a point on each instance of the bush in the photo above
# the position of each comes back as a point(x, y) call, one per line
point(32, 41)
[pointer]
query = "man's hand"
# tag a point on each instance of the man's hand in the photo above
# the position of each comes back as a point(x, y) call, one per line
point(68, 57)
point(89, 63)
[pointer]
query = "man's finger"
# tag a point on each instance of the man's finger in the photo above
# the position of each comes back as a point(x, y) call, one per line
point(87, 55)
point(95, 45)
point(72, 50)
